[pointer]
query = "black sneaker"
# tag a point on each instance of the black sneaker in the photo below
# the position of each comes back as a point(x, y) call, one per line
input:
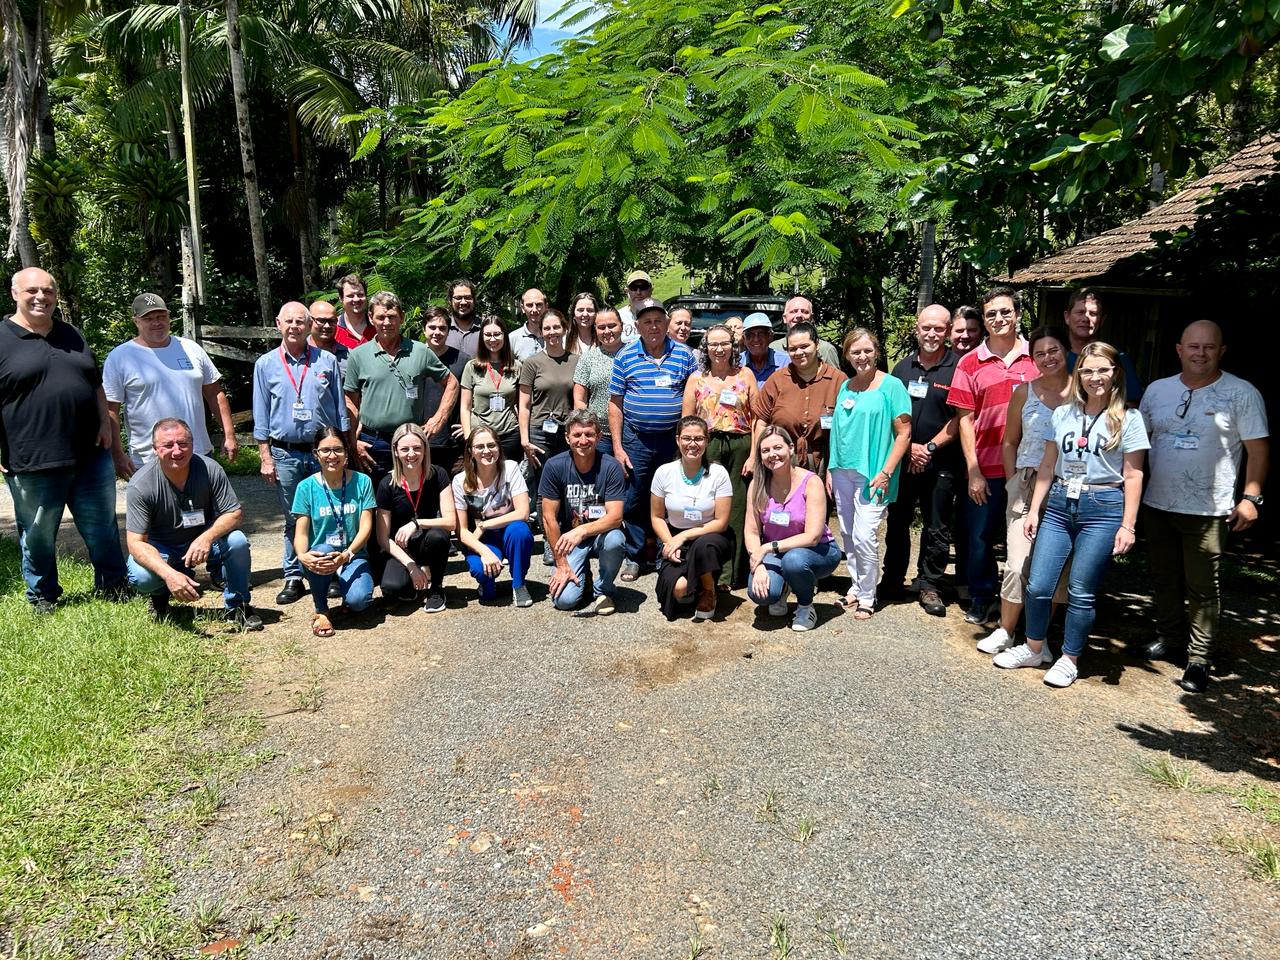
point(158, 606)
point(982, 612)
point(1195, 679)
point(44, 607)
point(243, 617)
point(293, 591)
point(434, 603)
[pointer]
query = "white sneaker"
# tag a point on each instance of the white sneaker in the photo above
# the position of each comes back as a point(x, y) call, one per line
point(1061, 674)
point(780, 608)
point(806, 618)
point(997, 640)
point(1021, 656)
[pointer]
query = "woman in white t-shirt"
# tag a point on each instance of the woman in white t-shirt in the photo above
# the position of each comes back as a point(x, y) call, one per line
point(491, 501)
point(1088, 483)
point(689, 504)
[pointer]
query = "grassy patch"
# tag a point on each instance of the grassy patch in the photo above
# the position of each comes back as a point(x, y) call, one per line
point(247, 461)
point(1262, 853)
point(104, 719)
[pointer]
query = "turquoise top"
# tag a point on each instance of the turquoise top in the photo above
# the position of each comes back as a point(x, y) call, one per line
point(862, 430)
point(315, 500)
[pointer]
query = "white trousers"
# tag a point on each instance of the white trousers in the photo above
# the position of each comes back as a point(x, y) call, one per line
point(859, 527)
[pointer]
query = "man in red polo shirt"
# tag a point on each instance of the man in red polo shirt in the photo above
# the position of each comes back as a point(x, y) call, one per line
point(980, 391)
point(353, 327)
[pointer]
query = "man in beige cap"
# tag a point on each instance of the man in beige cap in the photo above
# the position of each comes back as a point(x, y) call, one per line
point(639, 289)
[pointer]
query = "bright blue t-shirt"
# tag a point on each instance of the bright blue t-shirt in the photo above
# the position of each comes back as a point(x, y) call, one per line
point(334, 514)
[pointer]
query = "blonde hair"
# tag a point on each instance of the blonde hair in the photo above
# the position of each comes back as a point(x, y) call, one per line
point(854, 335)
point(761, 472)
point(402, 431)
point(1116, 406)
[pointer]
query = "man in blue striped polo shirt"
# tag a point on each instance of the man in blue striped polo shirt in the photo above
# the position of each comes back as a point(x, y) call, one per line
point(646, 393)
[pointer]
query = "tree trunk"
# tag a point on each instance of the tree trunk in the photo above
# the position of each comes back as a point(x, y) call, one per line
point(252, 200)
point(928, 259)
point(23, 79)
point(309, 225)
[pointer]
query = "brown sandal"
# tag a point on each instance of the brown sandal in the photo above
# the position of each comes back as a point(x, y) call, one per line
point(847, 602)
point(321, 626)
point(863, 613)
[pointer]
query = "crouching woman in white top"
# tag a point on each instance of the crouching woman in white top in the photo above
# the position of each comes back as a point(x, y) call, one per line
point(689, 504)
point(1091, 475)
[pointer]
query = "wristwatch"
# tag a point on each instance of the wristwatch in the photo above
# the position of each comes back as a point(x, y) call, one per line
point(1255, 499)
point(931, 446)
point(776, 551)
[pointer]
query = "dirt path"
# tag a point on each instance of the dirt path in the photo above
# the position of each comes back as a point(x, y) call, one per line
point(495, 783)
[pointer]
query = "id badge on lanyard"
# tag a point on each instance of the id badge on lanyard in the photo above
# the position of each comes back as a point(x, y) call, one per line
point(918, 389)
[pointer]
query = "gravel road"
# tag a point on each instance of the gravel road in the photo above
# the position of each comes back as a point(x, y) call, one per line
point(498, 783)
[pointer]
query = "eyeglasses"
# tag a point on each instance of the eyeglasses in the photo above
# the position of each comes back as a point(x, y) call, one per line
point(331, 452)
point(1185, 405)
point(1096, 373)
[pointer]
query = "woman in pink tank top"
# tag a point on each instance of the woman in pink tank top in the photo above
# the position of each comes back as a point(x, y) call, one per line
point(789, 545)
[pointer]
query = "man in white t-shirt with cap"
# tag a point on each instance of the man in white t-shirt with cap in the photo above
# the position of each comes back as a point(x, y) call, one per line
point(157, 375)
point(639, 289)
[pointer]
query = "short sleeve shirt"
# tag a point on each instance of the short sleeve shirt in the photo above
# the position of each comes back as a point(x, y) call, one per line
point(862, 429)
point(171, 516)
point(550, 381)
point(725, 405)
point(49, 414)
point(456, 361)
point(498, 498)
point(334, 514)
point(393, 388)
point(493, 397)
point(595, 372)
point(652, 388)
point(1092, 462)
point(983, 383)
point(421, 504)
point(928, 388)
point(152, 384)
point(801, 408)
point(690, 504)
point(582, 496)
point(1195, 458)
point(525, 344)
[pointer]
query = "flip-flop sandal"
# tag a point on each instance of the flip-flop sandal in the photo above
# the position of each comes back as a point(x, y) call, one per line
point(847, 603)
point(863, 613)
point(320, 626)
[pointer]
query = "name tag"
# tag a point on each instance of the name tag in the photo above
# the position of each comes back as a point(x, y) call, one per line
point(550, 426)
point(411, 391)
point(847, 403)
point(335, 539)
point(728, 398)
point(824, 421)
point(918, 389)
point(595, 511)
point(497, 404)
point(693, 516)
point(780, 518)
point(1075, 468)
point(192, 518)
point(1186, 441)
point(185, 364)
point(1073, 488)
point(663, 381)
point(301, 413)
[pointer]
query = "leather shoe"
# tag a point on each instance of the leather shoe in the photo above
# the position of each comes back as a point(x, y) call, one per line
point(1160, 650)
point(292, 592)
point(1195, 679)
point(932, 602)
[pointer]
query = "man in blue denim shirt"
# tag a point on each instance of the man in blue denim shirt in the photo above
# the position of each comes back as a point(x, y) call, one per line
point(297, 390)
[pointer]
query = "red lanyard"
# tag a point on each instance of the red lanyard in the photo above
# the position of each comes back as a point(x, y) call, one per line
point(497, 382)
point(409, 496)
point(306, 365)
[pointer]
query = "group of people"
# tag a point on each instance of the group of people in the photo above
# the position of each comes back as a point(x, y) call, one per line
point(605, 432)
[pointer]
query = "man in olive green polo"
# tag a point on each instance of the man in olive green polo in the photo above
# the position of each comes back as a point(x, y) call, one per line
point(385, 383)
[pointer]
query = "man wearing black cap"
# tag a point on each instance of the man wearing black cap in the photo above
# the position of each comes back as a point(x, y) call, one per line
point(157, 375)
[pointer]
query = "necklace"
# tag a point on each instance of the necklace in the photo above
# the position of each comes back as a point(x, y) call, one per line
point(696, 477)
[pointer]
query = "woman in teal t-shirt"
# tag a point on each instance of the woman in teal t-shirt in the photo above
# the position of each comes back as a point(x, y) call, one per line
point(870, 434)
point(335, 520)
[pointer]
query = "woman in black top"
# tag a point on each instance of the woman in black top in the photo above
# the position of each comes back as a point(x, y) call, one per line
point(414, 521)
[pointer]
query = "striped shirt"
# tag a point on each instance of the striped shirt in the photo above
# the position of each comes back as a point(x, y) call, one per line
point(651, 388)
point(984, 382)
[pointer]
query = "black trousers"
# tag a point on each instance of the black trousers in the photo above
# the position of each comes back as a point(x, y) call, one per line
point(705, 554)
point(934, 491)
point(429, 548)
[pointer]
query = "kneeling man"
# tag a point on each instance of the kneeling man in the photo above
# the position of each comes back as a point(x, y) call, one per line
point(182, 512)
point(582, 494)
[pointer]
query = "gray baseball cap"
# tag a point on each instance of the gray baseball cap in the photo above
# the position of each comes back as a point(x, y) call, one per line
point(648, 304)
point(146, 302)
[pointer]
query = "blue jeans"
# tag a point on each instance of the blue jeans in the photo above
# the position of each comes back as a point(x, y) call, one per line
point(89, 491)
point(514, 543)
point(232, 552)
point(292, 467)
point(1085, 531)
point(611, 549)
point(354, 580)
point(647, 451)
point(799, 568)
point(984, 525)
